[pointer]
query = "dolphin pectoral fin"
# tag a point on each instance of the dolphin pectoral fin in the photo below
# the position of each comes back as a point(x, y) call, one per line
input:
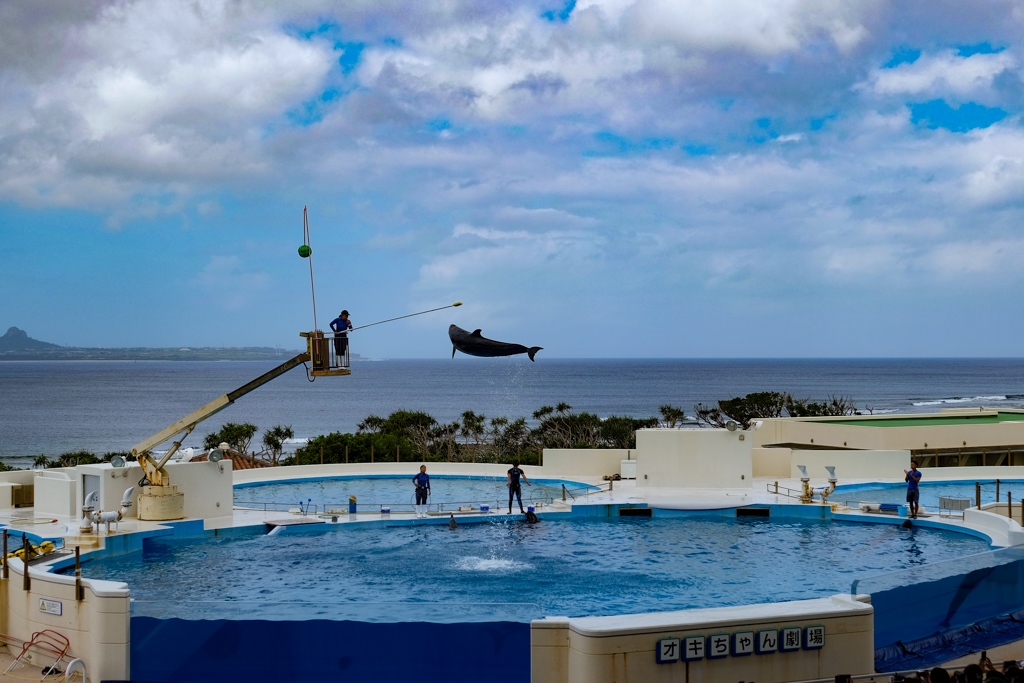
point(453, 350)
point(533, 350)
point(476, 333)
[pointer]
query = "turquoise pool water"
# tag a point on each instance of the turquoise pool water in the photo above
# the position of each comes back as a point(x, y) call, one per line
point(930, 492)
point(513, 571)
point(375, 491)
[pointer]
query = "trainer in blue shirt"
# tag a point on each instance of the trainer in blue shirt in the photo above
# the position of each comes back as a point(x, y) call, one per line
point(422, 481)
point(340, 325)
point(913, 478)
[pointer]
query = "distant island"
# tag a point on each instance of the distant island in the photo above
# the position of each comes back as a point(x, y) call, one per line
point(17, 345)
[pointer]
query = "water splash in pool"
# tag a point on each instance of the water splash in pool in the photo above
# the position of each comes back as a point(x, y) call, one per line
point(491, 564)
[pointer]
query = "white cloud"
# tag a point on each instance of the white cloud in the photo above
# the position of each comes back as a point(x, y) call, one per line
point(988, 259)
point(496, 253)
point(942, 75)
point(760, 26)
point(158, 91)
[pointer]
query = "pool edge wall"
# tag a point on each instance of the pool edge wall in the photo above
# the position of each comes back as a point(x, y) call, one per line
point(97, 627)
point(609, 649)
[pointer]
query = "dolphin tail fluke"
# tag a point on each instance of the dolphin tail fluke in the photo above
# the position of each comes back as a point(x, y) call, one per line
point(533, 350)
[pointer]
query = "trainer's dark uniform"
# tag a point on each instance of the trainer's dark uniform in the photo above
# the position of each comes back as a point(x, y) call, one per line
point(515, 488)
point(422, 481)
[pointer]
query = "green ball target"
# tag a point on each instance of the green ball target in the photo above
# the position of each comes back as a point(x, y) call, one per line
point(305, 251)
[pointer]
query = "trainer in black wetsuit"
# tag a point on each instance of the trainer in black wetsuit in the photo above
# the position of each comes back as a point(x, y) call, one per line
point(422, 481)
point(514, 489)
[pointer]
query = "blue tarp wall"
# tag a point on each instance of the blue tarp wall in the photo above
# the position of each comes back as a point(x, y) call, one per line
point(174, 650)
point(932, 614)
point(921, 609)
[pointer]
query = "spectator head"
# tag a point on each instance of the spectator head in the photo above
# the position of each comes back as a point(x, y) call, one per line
point(973, 674)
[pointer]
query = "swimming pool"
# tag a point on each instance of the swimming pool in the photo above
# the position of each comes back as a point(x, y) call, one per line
point(374, 491)
point(930, 491)
point(513, 571)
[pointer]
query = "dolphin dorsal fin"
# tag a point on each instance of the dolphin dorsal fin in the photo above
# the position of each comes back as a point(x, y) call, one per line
point(476, 333)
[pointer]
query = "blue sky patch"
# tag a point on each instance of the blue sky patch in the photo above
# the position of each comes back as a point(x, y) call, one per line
point(968, 116)
point(902, 55)
point(610, 143)
point(979, 49)
point(322, 29)
point(312, 111)
point(350, 54)
point(696, 150)
point(561, 14)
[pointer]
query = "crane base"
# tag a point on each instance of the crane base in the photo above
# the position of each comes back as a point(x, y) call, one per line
point(161, 503)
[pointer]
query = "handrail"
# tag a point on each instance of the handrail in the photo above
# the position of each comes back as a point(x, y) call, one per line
point(546, 499)
point(308, 507)
point(775, 489)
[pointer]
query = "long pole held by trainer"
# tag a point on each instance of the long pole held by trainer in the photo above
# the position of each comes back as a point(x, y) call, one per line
point(457, 303)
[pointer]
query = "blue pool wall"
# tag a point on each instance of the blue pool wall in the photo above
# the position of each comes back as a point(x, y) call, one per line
point(282, 651)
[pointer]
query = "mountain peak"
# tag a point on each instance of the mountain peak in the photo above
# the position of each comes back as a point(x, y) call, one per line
point(18, 340)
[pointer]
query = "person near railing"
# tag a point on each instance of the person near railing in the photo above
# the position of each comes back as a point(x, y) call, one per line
point(514, 489)
point(913, 478)
point(422, 482)
point(341, 325)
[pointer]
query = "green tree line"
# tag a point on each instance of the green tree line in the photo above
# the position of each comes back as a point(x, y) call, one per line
point(415, 435)
point(408, 435)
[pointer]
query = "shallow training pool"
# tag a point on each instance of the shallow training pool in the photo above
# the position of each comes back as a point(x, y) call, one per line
point(930, 492)
point(512, 571)
point(375, 491)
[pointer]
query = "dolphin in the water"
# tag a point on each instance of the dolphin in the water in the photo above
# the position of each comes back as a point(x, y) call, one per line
point(473, 344)
point(452, 524)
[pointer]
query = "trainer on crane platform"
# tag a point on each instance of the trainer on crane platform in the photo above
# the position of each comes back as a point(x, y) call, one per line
point(340, 325)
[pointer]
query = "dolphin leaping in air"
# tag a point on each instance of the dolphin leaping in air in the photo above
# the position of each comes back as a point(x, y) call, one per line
point(473, 344)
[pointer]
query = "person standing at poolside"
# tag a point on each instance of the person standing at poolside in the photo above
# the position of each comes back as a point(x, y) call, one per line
point(913, 478)
point(514, 489)
point(340, 325)
point(422, 482)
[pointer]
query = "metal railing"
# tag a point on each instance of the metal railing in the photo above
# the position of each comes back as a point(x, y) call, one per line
point(374, 507)
point(343, 359)
point(323, 351)
point(305, 508)
point(784, 491)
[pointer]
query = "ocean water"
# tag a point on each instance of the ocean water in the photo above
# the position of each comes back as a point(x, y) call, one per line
point(513, 571)
point(50, 407)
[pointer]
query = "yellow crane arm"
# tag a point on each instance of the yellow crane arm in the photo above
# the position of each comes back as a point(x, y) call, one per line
point(154, 470)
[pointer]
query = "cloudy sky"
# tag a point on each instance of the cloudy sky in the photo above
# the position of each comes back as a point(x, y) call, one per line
point(603, 178)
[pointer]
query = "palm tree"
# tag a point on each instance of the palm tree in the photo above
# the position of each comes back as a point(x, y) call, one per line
point(274, 439)
point(371, 425)
point(473, 427)
point(41, 462)
point(671, 416)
